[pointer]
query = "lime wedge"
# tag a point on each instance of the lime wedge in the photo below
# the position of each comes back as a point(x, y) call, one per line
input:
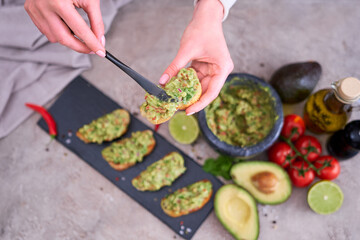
point(184, 129)
point(325, 197)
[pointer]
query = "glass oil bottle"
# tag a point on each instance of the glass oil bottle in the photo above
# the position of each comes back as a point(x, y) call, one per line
point(328, 110)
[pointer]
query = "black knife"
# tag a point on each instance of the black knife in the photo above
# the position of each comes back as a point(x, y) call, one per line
point(148, 86)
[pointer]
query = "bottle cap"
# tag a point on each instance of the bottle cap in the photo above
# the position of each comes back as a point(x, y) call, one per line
point(348, 89)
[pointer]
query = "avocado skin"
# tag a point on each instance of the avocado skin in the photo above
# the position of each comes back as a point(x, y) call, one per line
point(295, 82)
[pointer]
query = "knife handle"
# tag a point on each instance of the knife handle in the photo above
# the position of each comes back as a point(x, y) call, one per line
point(142, 81)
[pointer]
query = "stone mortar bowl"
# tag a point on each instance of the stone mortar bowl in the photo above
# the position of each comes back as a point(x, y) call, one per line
point(248, 151)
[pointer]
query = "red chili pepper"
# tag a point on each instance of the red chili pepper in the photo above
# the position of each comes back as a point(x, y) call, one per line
point(156, 127)
point(47, 117)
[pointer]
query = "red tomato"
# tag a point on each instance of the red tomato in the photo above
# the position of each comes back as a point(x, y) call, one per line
point(299, 177)
point(304, 143)
point(332, 169)
point(279, 152)
point(293, 121)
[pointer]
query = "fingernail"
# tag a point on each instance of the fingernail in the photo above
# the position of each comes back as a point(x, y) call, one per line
point(164, 78)
point(100, 53)
point(189, 114)
point(91, 52)
point(103, 40)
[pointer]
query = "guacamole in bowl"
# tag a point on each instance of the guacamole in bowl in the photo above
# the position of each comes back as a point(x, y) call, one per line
point(245, 119)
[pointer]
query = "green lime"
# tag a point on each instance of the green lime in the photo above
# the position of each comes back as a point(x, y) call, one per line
point(325, 197)
point(183, 128)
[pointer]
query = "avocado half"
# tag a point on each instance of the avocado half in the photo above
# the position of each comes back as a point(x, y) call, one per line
point(237, 211)
point(267, 182)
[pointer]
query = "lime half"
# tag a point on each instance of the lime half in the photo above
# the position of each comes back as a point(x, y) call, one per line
point(184, 129)
point(325, 197)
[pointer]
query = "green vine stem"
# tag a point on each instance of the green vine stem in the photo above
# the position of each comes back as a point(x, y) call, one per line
point(310, 149)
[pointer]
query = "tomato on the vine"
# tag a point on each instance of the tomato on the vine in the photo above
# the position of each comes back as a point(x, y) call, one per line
point(331, 169)
point(293, 121)
point(280, 152)
point(301, 177)
point(306, 143)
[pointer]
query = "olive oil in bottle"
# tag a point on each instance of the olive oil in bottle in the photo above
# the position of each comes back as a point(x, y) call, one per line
point(328, 110)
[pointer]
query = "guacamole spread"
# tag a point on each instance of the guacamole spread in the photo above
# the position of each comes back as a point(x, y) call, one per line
point(161, 173)
point(182, 88)
point(105, 128)
point(187, 199)
point(129, 150)
point(242, 114)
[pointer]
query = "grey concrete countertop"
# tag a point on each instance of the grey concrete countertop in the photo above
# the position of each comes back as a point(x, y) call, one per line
point(55, 195)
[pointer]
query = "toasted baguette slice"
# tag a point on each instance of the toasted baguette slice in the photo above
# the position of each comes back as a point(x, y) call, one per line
point(166, 170)
point(180, 106)
point(181, 212)
point(121, 120)
point(123, 166)
point(193, 100)
point(156, 121)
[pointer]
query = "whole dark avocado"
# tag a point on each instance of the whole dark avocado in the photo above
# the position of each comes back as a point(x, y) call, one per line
point(295, 82)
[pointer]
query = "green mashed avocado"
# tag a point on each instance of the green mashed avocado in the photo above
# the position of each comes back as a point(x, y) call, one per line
point(105, 128)
point(187, 199)
point(160, 173)
point(242, 114)
point(182, 88)
point(129, 150)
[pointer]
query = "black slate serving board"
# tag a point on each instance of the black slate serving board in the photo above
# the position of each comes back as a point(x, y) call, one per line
point(79, 104)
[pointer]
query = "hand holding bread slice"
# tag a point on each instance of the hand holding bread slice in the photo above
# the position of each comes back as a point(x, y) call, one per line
point(185, 88)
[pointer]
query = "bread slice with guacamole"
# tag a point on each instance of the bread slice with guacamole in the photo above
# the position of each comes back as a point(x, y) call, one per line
point(129, 151)
point(161, 173)
point(106, 128)
point(185, 88)
point(188, 199)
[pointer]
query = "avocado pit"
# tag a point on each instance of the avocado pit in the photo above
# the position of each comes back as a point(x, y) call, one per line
point(266, 182)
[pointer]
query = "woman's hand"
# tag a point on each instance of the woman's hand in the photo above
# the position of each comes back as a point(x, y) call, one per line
point(204, 44)
point(54, 18)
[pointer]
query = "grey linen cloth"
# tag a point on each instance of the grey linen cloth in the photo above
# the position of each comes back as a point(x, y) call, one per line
point(31, 68)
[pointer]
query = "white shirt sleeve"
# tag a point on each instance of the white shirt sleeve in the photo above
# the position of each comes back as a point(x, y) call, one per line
point(227, 4)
